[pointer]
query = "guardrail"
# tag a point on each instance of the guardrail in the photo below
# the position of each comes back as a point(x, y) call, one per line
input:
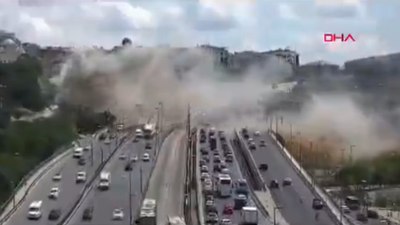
point(22, 183)
point(333, 211)
point(189, 176)
point(200, 203)
point(89, 185)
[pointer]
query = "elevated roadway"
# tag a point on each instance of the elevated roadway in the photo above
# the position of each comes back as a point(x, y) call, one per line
point(167, 181)
point(296, 199)
point(69, 190)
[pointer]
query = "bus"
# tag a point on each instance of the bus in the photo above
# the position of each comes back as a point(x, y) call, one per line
point(104, 183)
point(224, 185)
point(352, 202)
point(148, 213)
point(34, 211)
point(148, 130)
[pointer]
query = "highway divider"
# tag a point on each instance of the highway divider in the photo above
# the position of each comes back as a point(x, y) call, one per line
point(30, 180)
point(333, 209)
point(262, 197)
point(89, 185)
point(200, 202)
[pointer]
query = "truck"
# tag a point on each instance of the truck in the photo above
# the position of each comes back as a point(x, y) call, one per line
point(249, 215)
point(147, 215)
point(149, 131)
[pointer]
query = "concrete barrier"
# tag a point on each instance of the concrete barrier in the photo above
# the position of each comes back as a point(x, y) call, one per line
point(199, 189)
point(263, 197)
point(333, 208)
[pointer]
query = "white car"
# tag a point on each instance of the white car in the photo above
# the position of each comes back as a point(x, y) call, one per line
point(257, 133)
point(107, 141)
point(122, 156)
point(81, 177)
point(54, 192)
point(146, 157)
point(118, 214)
point(57, 177)
point(345, 209)
point(134, 158)
point(226, 221)
point(205, 176)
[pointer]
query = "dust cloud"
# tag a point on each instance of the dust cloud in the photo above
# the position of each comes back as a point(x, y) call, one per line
point(131, 83)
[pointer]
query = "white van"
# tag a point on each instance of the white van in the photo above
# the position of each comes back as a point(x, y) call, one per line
point(104, 183)
point(139, 133)
point(34, 211)
point(78, 152)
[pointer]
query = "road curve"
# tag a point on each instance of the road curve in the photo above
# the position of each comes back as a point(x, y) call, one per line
point(69, 191)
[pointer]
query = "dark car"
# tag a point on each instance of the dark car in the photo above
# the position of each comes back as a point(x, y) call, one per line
point(102, 136)
point(148, 145)
point(87, 214)
point(263, 166)
point(274, 184)
point(81, 161)
point(203, 151)
point(206, 158)
point(317, 204)
point(217, 168)
point(54, 214)
point(372, 214)
point(212, 217)
point(361, 217)
point(203, 139)
point(128, 166)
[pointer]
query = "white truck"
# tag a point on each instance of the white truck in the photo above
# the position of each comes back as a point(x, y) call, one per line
point(148, 213)
point(176, 220)
point(249, 215)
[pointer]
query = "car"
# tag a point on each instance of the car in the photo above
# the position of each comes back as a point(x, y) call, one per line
point(146, 157)
point(203, 151)
point(122, 156)
point(54, 214)
point(102, 136)
point(361, 217)
point(202, 162)
point(206, 158)
point(204, 176)
point(250, 140)
point(216, 168)
point(203, 139)
point(216, 153)
point(118, 214)
point(128, 166)
point(81, 161)
point(207, 181)
point(57, 177)
point(225, 171)
point(204, 169)
point(80, 177)
point(287, 181)
point(263, 167)
point(107, 141)
point(87, 214)
point(317, 204)
point(148, 145)
point(87, 148)
point(209, 197)
point(274, 184)
point(212, 217)
point(207, 188)
point(209, 203)
point(135, 139)
point(217, 159)
point(54, 192)
point(257, 133)
point(229, 158)
point(226, 221)
point(134, 158)
point(252, 146)
point(228, 210)
point(262, 143)
point(372, 214)
point(345, 209)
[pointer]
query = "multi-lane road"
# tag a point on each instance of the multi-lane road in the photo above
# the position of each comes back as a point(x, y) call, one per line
point(118, 195)
point(69, 190)
point(296, 199)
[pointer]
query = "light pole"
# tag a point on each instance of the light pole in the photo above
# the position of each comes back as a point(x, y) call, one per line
point(130, 197)
point(141, 179)
point(275, 208)
point(91, 152)
point(351, 153)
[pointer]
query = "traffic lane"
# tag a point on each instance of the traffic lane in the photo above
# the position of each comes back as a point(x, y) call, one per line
point(118, 194)
point(296, 199)
point(237, 174)
point(41, 190)
point(94, 193)
point(166, 182)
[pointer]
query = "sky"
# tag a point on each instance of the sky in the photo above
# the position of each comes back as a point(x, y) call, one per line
point(258, 25)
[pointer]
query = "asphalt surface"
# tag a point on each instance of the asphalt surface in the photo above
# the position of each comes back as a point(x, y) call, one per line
point(69, 190)
point(167, 181)
point(235, 174)
point(104, 202)
point(295, 199)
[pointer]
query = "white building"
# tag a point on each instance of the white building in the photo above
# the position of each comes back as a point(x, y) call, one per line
point(288, 55)
point(10, 50)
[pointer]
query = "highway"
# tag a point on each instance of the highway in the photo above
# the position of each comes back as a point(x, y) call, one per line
point(167, 181)
point(295, 199)
point(69, 190)
point(104, 202)
point(235, 174)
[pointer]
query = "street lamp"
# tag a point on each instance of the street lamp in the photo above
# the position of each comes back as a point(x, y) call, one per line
point(275, 208)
